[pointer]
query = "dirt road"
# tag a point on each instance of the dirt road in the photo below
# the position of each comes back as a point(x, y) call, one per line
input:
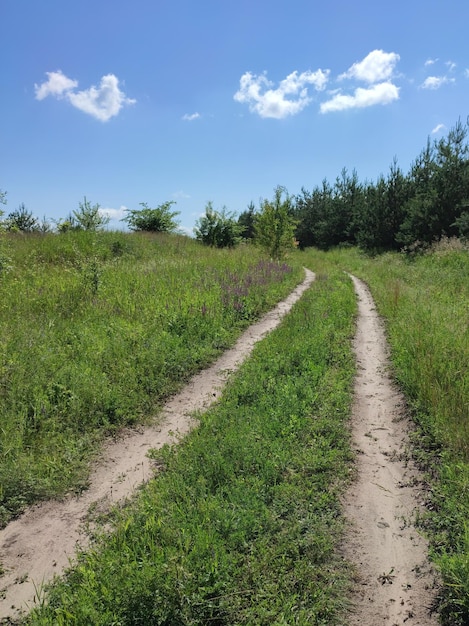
point(395, 583)
point(40, 543)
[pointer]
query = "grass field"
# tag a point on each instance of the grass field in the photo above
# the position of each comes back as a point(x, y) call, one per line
point(243, 523)
point(241, 526)
point(96, 329)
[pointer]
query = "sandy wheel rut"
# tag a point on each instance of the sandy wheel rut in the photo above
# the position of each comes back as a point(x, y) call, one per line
point(396, 584)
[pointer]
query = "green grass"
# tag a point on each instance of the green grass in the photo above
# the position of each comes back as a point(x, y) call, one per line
point(242, 524)
point(96, 329)
point(425, 303)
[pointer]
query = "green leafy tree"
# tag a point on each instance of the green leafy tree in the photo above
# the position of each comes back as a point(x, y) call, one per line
point(218, 229)
point(88, 217)
point(275, 225)
point(157, 220)
point(22, 220)
point(246, 222)
point(67, 224)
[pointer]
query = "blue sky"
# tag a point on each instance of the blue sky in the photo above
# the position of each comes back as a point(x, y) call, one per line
point(218, 100)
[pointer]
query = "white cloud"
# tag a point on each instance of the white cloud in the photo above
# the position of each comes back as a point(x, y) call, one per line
point(186, 230)
point(435, 82)
point(56, 85)
point(383, 93)
point(289, 98)
point(190, 117)
point(430, 62)
point(101, 102)
point(375, 67)
point(114, 214)
point(466, 73)
point(438, 128)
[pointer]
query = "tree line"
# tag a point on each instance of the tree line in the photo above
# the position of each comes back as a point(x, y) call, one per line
point(399, 211)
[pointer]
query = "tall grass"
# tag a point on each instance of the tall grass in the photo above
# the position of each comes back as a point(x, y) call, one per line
point(241, 525)
point(96, 329)
point(425, 302)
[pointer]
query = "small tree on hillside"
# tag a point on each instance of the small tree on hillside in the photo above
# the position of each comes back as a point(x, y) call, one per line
point(246, 221)
point(217, 228)
point(157, 220)
point(275, 225)
point(22, 220)
point(44, 226)
point(66, 225)
point(88, 217)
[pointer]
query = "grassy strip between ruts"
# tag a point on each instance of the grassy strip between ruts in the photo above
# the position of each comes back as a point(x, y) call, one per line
point(241, 525)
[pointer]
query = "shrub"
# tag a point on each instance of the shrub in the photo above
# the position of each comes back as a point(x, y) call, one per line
point(157, 220)
point(218, 229)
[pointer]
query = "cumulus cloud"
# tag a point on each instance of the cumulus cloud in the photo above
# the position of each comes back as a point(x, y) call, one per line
point(430, 62)
point(382, 93)
point(56, 85)
point(435, 82)
point(101, 102)
point(289, 98)
point(376, 70)
point(113, 214)
point(190, 117)
point(376, 67)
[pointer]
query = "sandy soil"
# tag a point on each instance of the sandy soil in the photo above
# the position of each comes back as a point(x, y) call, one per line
point(394, 583)
point(41, 543)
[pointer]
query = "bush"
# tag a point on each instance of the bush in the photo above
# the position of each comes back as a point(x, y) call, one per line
point(275, 226)
point(158, 220)
point(218, 229)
